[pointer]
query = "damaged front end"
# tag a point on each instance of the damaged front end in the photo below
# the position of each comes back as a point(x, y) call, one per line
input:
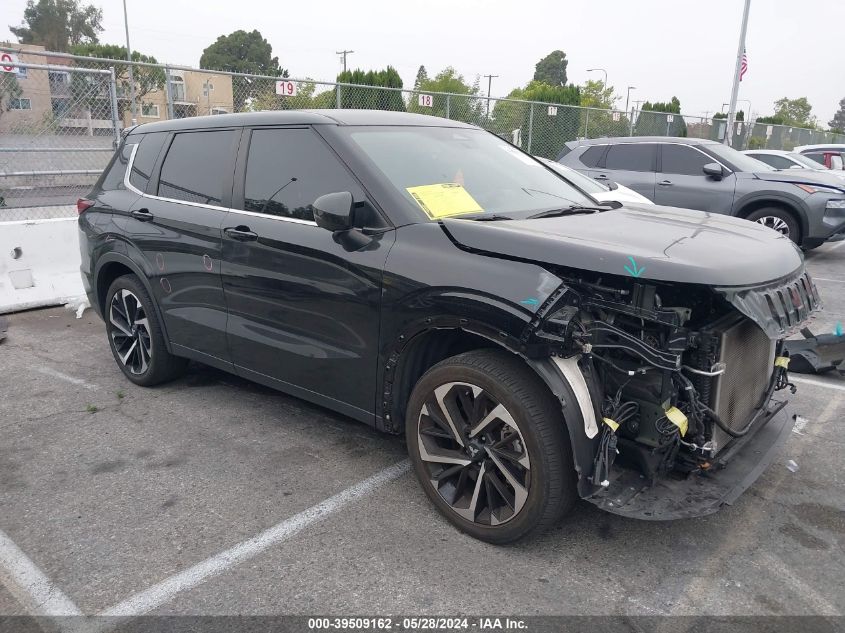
point(677, 385)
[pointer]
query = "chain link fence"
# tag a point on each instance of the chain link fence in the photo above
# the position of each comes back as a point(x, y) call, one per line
point(58, 128)
point(52, 153)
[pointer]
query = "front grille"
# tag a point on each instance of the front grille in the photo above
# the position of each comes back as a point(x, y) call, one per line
point(792, 303)
point(749, 356)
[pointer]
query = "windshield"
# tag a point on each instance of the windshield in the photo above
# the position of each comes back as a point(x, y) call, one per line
point(738, 160)
point(809, 163)
point(446, 172)
point(577, 178)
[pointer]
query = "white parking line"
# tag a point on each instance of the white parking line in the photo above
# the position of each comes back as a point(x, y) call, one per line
point(163, 592)
point(836, 281)
point(818, 603)
point(29, 585)
point(816, 383)
point(49, 371)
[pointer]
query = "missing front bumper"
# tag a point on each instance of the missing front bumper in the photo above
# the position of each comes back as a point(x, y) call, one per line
point(743, 461)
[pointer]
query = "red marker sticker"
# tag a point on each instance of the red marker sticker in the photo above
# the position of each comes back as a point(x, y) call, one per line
point(165, 285)
point(160, 261)
point(207, 262)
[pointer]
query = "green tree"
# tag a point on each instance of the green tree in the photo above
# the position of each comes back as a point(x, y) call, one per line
point(550, 130)
point(371, 98)
point(146, 78)
point(469, 108)
point(653, 119)
point(740, 115)
point(9, 89)
point(243, 52)
point(594, 94)
point(59, 24)
point(795, 112)
point(552, 69)
point(837, 123)
point(422, 77)
point(507, 115)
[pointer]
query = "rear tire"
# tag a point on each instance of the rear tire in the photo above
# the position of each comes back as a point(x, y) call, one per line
point(489, 446)
point(135, 335)
point(779, 220)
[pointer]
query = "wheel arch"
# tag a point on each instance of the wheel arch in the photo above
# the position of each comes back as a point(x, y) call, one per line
point(750, 206)
point(113, 265)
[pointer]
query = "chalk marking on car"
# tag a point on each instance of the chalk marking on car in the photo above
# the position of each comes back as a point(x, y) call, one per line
point(162, 592)
point(27, 583)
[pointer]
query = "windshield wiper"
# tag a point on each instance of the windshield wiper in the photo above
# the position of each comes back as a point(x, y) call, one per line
point(573, 209)
point(490, 218)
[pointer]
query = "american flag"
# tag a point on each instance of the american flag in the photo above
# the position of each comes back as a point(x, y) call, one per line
point(743, 67)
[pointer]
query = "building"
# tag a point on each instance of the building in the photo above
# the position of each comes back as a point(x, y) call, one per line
point(36, 101)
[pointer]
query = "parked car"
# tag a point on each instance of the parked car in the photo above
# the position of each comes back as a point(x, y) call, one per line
point(808, 208)
point(603, 192)
point(831, 156)
point(427, 278)
point(780, 159)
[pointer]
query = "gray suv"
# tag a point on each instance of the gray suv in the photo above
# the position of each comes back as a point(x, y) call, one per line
point(705, 175)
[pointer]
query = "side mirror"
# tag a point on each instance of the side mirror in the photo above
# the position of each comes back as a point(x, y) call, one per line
point(612, 185)
point(333, 211)
point(714, 170)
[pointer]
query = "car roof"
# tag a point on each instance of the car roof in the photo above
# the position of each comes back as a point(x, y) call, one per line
point(833, 147)
point(773, 152)
point(640, 139)
point(300, 117)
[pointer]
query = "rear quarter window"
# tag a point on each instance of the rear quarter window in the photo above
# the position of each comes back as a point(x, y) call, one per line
point(592, 156)
point(149, 147)
point(112, 178)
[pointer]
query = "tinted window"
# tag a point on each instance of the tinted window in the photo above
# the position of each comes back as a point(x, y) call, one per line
point(683, 160)
point(591, 157)
point(819, 157)
point(631, 157)
point(113, 176)
point(287, 170)
point(145, 158)
point(196, 166)
point(778, 162)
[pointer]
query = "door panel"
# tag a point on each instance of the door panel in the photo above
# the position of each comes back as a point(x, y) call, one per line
point(304, 304)
point(682, 182)
point(178, 231)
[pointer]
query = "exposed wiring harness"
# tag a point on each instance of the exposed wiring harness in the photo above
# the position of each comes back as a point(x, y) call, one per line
point(617, 414)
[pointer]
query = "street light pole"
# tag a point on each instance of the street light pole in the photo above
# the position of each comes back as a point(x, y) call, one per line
point(628, 98)
point(590, 70)
point(131, 74)
point(489, 84)
point(737, 69)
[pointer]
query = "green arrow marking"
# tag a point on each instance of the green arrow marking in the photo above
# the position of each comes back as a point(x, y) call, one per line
point(635, 272)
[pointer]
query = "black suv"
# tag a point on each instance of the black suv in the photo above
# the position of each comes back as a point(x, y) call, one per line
point(427, 278)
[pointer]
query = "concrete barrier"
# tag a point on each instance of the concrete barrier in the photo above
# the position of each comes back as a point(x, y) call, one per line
point(39, 261)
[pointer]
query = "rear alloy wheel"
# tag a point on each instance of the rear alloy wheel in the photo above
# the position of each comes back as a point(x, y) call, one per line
point(778, 220)
point(488, 446)
point(135, 336)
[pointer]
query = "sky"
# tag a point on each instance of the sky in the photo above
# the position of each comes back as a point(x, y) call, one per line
point(665, 48)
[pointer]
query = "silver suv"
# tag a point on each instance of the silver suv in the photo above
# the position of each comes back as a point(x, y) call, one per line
point(705, 175)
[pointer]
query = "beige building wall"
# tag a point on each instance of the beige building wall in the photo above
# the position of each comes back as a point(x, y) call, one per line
point(188, 97)
point(35, 86)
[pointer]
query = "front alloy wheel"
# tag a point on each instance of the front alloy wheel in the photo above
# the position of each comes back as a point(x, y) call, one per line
point(774, 223)
point(489, 446)
point(131, 332)
point(474, 453)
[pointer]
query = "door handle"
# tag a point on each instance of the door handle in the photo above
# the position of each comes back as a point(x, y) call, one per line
point(665, 183)
point(241, 233)
point(601, 177)
point(142, 215)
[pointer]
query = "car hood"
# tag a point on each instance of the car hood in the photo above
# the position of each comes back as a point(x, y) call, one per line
point(650, 242)
point(802, 176)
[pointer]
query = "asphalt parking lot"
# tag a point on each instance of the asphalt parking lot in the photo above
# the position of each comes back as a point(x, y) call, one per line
point(213, 495)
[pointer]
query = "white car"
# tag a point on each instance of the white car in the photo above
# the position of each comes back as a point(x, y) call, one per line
point(613, 192)
point(781, 159)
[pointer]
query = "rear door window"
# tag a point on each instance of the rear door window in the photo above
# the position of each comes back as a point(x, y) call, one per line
point(631, 157)
point(149, 147)
point(288, 169)
point(197, 166)
point(683, 160)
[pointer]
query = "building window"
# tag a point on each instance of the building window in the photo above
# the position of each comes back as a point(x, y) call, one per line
point(150, 110)
point(58, 77)
point(177, 87)
point(20, 104)
point(22, 72)
point(219, 111)
point(61, 107)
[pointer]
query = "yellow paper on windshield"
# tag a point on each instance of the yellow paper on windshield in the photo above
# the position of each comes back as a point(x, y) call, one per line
point(444, 200)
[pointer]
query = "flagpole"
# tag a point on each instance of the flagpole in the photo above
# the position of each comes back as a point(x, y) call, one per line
point(737, 69)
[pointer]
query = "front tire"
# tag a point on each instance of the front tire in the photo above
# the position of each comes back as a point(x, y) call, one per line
point(135, 335)
point(488, 444)
point(779, 220)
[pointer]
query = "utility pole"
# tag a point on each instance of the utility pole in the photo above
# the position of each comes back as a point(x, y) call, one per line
point(343, 55)
point(628, 98)
point(735, 88)
point(131, 74)
point(489, 84)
